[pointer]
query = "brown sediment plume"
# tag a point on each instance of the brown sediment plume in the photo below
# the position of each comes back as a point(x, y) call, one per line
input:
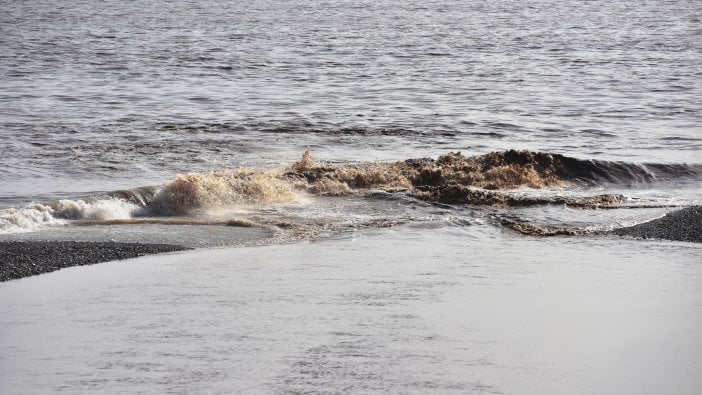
point(309, 175)
point(460, 194)
point(457, 179)
point(195, 192)
point(495, 171)
point(452, 179)
point(512, 169)
point(306, 163)
point(386, 176)
point(329, 186)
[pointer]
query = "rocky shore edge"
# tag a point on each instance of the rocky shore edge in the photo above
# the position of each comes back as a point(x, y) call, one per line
point(680, 225)
point(20, 259)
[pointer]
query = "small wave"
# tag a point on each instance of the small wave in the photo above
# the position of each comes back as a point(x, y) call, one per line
point(26, 219)
point(513, 168)
point(600, 172)
point(496, 179)
point(194, 193)
point(498, 170)
point(99, 209)
point(488, 179)
point(38, 215)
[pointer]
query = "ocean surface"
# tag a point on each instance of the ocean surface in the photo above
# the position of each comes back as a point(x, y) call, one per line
point(293, 125)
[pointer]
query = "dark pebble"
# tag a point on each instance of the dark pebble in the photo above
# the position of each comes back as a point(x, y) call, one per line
point(681, 225)
point(20, 259)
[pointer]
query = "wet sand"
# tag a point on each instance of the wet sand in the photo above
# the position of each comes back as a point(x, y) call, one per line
point(20, 259)
point(681, 225)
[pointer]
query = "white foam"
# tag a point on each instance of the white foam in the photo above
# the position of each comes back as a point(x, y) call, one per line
point(37, 215)
point(26, 219)
point(111, 208)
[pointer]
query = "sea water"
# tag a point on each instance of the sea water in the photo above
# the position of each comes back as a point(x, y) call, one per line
point(169, 123)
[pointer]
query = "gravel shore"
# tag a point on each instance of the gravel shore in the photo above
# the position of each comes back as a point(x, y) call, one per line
point(681, 225)
point(20, 259)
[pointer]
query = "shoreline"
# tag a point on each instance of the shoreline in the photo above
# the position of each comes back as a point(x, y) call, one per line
point(19, 259)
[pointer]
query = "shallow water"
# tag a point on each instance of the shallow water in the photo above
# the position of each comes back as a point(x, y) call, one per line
point(399, 311)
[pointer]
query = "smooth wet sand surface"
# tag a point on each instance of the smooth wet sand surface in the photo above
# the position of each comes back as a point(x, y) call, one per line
point(400, 311)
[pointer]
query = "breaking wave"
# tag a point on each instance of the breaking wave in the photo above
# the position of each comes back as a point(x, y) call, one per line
point(194, 193)
point(499, 179)
point(38, 215)
point(494, 171)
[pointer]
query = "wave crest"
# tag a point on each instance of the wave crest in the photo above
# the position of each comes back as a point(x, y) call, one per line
point(37, 215)
point(491, 179)
point(26, 219)
point(224, 190)
point(101, 209)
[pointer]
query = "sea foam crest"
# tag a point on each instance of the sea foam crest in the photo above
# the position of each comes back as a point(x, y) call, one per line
point(38, 215)
point(26, 219)
point(101, 209)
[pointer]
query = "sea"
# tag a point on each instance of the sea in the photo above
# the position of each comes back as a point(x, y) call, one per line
point(382, 197)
